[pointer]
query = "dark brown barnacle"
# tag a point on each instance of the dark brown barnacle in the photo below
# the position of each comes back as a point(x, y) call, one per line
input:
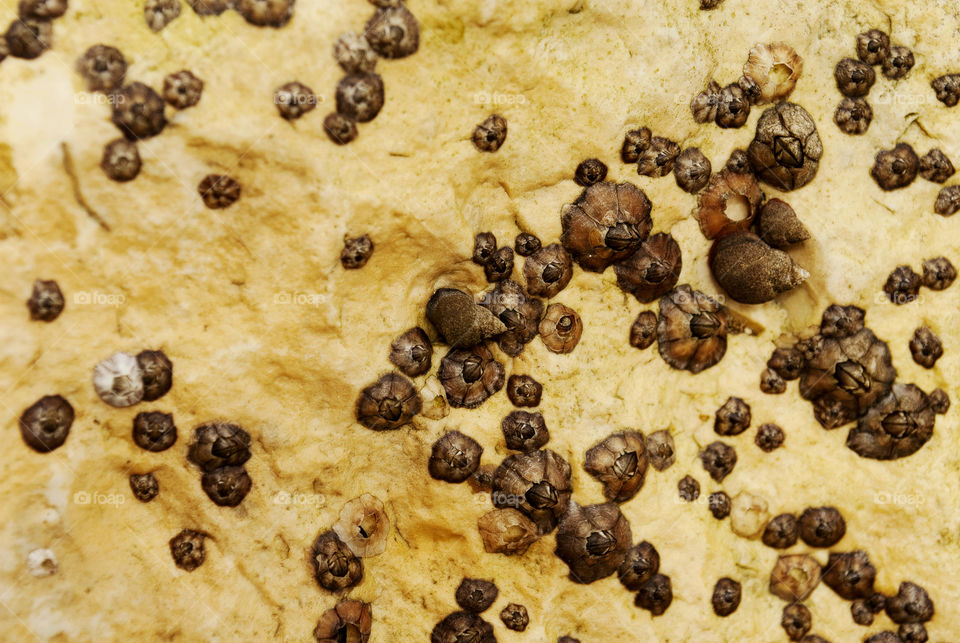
point(210, 7)
point(925, 347)
point(219, 444)
point(335, 567)
point(340, 129)
point(703, 106)
point(349, 621)
point(411, 352)
point(484, 247)
point(781, 532)
point(911, 604)
point(356, 252)
point(506, 531)
point(462, 627)
point(548, 271)
point(786, 149)
point(853, 116)
point(525, 245)
point(353, 53)
point(519, 313)
point(454, 457)
point(947, 89)
point(144, 486)
point(707, 5)
point(360, 96)
point(160, 13)
point(121, 160)
point(619, 461)
point(28, 38)
point(779, 226)
point(769, 437)
point(821, 526)
point(294, 99)
point(103, 68)
point(750, 271)
point(775, 68)
point(733, 107)
point(489, 135)
point(523, 390)
point(46, 300)
point(720, 505)
point(182, 89)
point(896, 426)
point(733, 418)
point(660, 450)
point(738, 163)
point(854, 78)
point(655, 595)
point(692, 330)
point(796, 621)
point(718, 460)
point(850, 575)
point(589, 172)
point(794, 577)
point(883, 637)
point(841, 321)
point(898, 63)
point(688, 488)
point(515, 617)
point(787, 362)
point(500, 265)
point(635, 143)
point(157, 370)
point(476, 594)
point(187, 549)
point(482, 479)
point(643, 331)
point(912, 633)
point(876, 602)
point(726, 597)
point(939, 401)
point(873, 46)
point(393, 32)
point(524, 431)
point(606, 223)
point(751, 90)
point(226, 486)
point(592, 541)
point(560, 328)
point(861, 613)
point(936, 166)
point(728, 193)
point(651, 271)
point(537, 484)
point(41, 9)
point(388, 403)
point(657, 160)
point(639, 565)
point(844, 376)
point(460, 321)
point(692, 170)
point(219, 191)
point(771, 383)
point(45, 424)
point(895, 168)
point(903, 285)
point(138, 111)
point(948, 201)
point(265, 13)
point(154, 431)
